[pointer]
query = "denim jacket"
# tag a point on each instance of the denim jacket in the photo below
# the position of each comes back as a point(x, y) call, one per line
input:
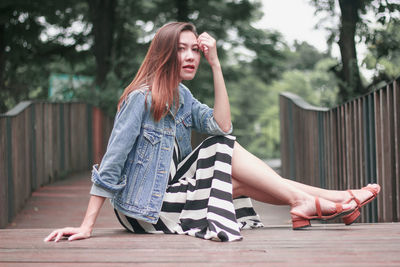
point(134, 170)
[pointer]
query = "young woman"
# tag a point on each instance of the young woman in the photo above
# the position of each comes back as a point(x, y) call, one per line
point(157, 184)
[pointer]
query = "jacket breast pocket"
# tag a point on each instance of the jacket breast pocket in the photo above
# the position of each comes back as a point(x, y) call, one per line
point(147, 145)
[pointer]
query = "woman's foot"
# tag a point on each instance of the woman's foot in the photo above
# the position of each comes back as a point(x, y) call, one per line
point(317, 209)
point(361, 197)
point(362, 194)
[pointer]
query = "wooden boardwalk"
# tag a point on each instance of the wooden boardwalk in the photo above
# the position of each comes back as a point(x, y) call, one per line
point(64, 203)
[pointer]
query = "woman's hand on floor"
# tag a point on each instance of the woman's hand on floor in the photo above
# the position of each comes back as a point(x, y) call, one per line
point(73, 233)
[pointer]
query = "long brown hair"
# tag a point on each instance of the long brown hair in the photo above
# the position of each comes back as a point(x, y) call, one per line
point(160, 69)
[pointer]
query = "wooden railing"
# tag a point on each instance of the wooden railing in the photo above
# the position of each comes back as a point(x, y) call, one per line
point(346, 147)
point(41, 142)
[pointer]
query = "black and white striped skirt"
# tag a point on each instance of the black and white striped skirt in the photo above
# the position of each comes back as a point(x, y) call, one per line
point(198, 200)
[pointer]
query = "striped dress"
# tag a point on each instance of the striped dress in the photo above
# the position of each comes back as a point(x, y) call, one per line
point(198, 199)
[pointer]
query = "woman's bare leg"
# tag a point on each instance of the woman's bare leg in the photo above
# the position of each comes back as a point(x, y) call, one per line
point(337, 196)
point(252, 175)
point(331, 195)
point(241, 189)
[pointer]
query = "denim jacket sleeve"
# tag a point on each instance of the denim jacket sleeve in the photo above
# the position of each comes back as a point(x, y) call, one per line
point(99, 191)
point(123, 136)
point(203, 119)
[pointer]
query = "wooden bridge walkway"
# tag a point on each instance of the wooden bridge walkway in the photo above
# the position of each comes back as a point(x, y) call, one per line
point(64, 203)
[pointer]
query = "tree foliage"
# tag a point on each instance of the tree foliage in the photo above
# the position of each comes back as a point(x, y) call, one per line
point(383, 56)
point(110, 45)
point(106, 41)
point(311, 80)
point(26, 51)
point(355, 22)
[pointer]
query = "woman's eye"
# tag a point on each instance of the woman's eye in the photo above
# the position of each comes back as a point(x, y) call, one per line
point(181, 48)
point(196, 49)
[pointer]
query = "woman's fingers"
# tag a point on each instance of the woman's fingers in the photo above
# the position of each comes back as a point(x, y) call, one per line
point(59, 235)
point(209, 47)
point(78, 236)
point(54, 235)
point(74, 233)
point(206, 41)
point(50, 236)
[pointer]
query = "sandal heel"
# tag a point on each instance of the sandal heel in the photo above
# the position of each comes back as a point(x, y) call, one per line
point(300, 223)
point(349, 219)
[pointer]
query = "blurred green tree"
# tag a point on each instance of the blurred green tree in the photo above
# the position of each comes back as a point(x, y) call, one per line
point(29, 42)
point(383, 56)
point(255, 102)
point(354, 22)
point(108, 40)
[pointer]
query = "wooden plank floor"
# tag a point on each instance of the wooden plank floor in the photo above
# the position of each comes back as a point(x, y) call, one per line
point(64, 203)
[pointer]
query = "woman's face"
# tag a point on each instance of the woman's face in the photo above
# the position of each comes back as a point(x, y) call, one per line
point(188, 55)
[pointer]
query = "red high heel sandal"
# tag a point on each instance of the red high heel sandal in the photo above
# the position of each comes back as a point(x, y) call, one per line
point(350, 218)
point(302, 221)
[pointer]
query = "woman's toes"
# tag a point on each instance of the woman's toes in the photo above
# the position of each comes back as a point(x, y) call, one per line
point(363, 194)
point(376, 187)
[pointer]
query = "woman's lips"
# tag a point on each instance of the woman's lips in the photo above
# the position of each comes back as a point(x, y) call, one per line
point(189, 68)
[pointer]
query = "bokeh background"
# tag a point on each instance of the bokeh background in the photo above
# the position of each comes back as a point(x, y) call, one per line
point(326, 51)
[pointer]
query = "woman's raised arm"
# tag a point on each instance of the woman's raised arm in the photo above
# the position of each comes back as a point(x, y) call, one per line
point(222, 111)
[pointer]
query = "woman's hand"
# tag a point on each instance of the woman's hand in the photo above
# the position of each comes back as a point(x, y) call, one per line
point(85, 230)
point(74, 233)
point(208, 45)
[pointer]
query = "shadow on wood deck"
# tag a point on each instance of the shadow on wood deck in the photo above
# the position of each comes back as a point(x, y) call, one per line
point(64, 204)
